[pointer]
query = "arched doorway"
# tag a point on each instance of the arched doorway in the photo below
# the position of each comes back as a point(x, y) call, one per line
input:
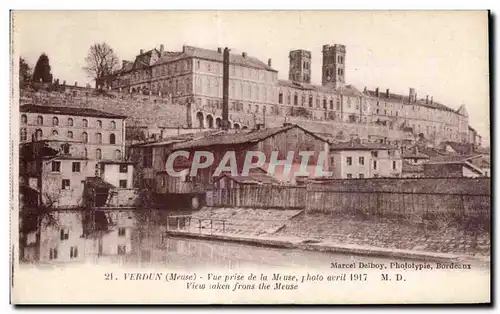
point(218, 123)
point(199, 117)
point(210, 122)
point(236, 126)
point(244, 128)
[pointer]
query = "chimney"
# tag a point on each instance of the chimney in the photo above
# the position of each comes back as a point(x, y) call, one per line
point(244, 54)
point(411, 96)
point(162, 47)
point(376, 92)
point(141, 52)
point(259, 126)
point(287, 124)
point(76, 84)
point(225, 90)
point(269, 62)
point(387, 93)
point(427, 99)
point(432, 100)
point(365, 90)
point(219, 50)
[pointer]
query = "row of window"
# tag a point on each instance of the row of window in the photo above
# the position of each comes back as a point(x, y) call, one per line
point(361, 162)
point(76, 165)
point(66, 184)
point(84, 136)
point(69, 122)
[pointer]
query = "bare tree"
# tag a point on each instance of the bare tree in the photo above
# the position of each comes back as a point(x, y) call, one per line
point(101, 61)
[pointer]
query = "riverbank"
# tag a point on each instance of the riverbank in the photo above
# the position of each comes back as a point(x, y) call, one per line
point(330, 247)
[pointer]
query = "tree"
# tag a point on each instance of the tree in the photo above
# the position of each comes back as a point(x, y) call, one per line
point(24, 72)
point(101, 61)
point(42, 70)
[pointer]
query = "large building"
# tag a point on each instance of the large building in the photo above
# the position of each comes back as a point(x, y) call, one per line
point(67, 154)
point(194, 76)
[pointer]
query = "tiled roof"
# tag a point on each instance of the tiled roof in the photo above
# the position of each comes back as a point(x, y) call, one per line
point(348, 90)
point(454, 159)
point(407, 167)
point(178, 138)
point(459, 147)
point(214, 55)
point(355, 145)
point(98, 183)
point(255, 176)
point(86, 112)
point(414, 154)
point(405, 99)
point(242, 137)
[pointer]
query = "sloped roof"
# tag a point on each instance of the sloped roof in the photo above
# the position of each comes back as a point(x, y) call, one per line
point(414, 154)
point(459, 147)
point(178, 138)
point(405, 99)
point(453, 159)
point(242, 137)
point(214, 55)
point(74, 111)
point(255, 176)
point(357, 145)
point(98, 183)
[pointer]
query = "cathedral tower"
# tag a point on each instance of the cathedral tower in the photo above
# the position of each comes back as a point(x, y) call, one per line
point(333, 68)
point(300, 66)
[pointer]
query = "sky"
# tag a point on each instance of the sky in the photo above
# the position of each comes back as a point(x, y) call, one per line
point(443, 54)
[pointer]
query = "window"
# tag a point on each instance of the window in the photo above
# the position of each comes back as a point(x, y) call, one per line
point(65, 184)
point(374, 164)
point(118, 154)
point(98, 138)
point(332, 160)
point(24, 134)
point(85, 153)
point(85, 123)
point(53, 254)
point(361, 175)
point(331, 104)
point(121, 250)
point(55, 121)
point(280, 98)
point(123, 168)
point(338, 104)
point(38, 134)
point(98, 154)
point(310, 101)
point(325, 106)
point(394, 166)
point(64, 234)
point(24, 119)
point(375, 154)
point(361, 160)
point(375, 175)
point(73, 252)
point(349, 161)
point(113, 125)
point(75, 166)
point(70, 122)
point(349, 176)
point(56, 166)
point(69, 134)
point(148, 157)
point(112, 139)
point(39, 120)
point(54, 133)
point(123, 184)
point(122, 232)
point(99, 124)
point(85, 137)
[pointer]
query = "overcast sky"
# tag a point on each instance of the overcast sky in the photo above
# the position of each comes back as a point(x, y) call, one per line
point(441, 54)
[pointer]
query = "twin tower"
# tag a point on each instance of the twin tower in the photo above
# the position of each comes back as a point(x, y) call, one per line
point(333, 66)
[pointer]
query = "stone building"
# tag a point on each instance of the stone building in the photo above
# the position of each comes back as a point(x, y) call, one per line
point(194, 76)
point(66, 151)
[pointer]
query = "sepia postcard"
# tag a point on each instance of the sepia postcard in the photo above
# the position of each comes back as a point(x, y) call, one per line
point(250, 157)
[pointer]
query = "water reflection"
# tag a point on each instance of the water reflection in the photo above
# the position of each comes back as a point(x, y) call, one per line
point(137, 238)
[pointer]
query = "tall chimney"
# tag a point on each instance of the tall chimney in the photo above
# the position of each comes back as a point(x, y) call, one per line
point(387, 93)
point(427, 99)
point(411, 96)
point(376, 92)
point(269, 62)
point(141, 52)
point(244, 54)
point(162, 47)
point(219, 50)
point(225, 90)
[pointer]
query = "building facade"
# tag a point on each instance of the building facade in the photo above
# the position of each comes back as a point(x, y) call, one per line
point(194, 75)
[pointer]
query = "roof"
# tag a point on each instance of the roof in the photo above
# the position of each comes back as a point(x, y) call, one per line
point(407, 167)
point(177, 138)
point(460, 148)
point(414, 154)
point(254, 177)
point(357, 145)
point(453, 159)
point(249, 137)
point(405, 99)
point(348, 90)
point(116, 162)
point(98, 183)
point(213, 55)
point(463, 162)
point(74, 111)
